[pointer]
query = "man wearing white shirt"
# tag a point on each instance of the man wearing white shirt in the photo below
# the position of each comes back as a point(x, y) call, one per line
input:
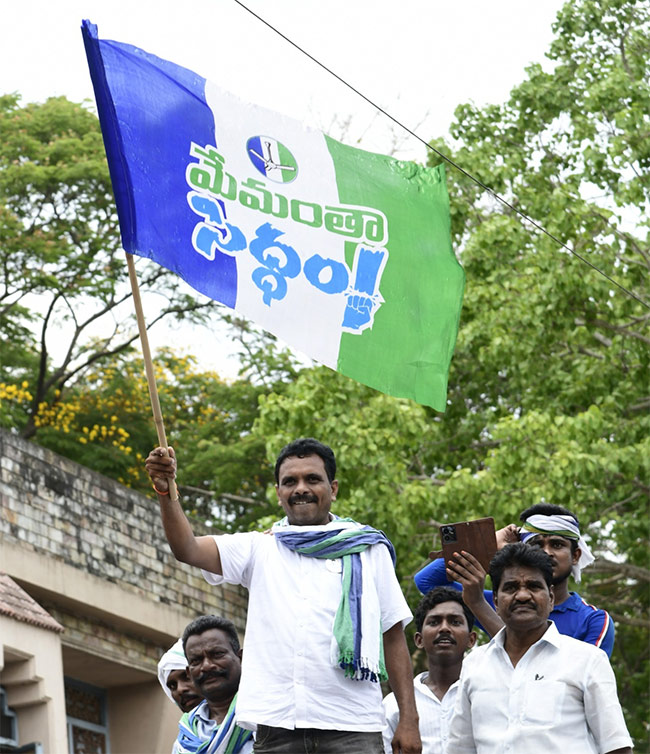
point(213, 657)
point(444, 631)
point(532, 689)
point(325, 619)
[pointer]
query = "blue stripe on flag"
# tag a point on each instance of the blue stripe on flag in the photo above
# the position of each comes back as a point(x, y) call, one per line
point(151, 110)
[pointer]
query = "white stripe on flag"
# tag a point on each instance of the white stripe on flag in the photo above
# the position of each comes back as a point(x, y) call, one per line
point(307, 318)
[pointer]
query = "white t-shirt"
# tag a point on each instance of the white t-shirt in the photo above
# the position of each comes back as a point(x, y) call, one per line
point(435, 716)
point(561, 697)
point(287, 678)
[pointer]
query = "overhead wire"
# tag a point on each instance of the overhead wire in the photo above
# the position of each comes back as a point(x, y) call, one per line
point(443, 156)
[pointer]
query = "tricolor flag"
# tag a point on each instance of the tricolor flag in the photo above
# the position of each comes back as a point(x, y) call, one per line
point(341, 253)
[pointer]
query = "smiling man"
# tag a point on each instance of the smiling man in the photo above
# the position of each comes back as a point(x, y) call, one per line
point(325, 619)
point(531, 689)
point(444, 631)
point(211, 646)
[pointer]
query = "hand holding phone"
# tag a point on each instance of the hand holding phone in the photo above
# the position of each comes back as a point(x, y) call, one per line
point(476, 537)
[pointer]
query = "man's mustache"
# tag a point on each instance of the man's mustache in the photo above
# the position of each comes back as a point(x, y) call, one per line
point(445, 638)
point(211, 674)
point(303, 499)
point(530, 605)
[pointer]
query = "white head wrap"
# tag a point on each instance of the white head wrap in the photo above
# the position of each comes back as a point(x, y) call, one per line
point(561, 526)
point(173, 659)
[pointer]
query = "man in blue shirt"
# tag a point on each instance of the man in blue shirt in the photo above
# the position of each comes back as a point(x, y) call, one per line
point(556, 530)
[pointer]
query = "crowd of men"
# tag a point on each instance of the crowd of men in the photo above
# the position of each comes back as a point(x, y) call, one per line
point(325, 627)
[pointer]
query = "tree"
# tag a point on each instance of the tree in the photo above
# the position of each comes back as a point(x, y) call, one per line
point(225, 474)
point(548, 389)
point(102, 419)
point(62, 271)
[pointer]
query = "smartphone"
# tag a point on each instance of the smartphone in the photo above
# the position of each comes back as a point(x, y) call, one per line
point(477, 537)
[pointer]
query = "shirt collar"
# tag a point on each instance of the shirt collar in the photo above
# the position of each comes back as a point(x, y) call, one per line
point(571, 603)
point(203, 712)
point(424, 689)
point(551, 636)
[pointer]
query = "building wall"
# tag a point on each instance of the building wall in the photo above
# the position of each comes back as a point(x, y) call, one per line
point(31, 671)
point(94, 555)
point(141, 708)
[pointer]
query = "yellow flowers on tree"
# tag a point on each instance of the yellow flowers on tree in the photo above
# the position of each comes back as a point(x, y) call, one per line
point(62, 269)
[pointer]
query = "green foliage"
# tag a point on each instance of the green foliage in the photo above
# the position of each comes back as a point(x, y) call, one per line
point(225, 475)
point(62, 271)
point(548, 389)
point(103, 421)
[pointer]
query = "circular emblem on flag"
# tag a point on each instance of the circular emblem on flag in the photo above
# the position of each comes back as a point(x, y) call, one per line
point(273, 160)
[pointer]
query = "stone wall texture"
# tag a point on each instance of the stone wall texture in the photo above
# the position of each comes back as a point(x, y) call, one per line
point(67, 515)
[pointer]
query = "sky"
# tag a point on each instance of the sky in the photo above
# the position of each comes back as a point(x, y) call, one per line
point(417, 59)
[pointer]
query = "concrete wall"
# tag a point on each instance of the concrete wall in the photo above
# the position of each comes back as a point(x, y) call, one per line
point(143, 708)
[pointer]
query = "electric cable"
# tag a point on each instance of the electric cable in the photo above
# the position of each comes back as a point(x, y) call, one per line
point(462, 170)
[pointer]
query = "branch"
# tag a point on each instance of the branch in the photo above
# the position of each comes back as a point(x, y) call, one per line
point(65, 377)
point(643, 404)
point(629, 621)
point(477, 444)
point(42, 367)
point(29, 430)
point(188, 488)
point(609, 581)
point(60, 376)
point(602, 565)
point(593, 354)
point(430, 523)
point(636, 482)
point(621, 47)
point(622, 329)
point(619, 504)
point(425, 478)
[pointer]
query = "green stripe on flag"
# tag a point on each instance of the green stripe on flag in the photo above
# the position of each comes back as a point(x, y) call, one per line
point(287, 159)
point(408, 350)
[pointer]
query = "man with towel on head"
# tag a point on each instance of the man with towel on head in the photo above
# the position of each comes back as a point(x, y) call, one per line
point(556, 530)
point(175, 682)
point(326, 614)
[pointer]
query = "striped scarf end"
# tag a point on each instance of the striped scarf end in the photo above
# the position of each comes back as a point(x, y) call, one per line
point(363, 670)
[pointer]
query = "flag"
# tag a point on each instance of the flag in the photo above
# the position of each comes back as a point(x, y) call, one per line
point(342, 253)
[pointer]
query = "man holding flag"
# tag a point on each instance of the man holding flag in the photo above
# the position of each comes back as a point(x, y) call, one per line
point(273, 219)
point(326, 614)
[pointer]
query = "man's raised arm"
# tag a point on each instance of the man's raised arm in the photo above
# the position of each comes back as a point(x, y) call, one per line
point(201, 552)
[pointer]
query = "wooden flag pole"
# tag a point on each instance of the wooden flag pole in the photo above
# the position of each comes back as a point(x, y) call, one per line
point(148, 367)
